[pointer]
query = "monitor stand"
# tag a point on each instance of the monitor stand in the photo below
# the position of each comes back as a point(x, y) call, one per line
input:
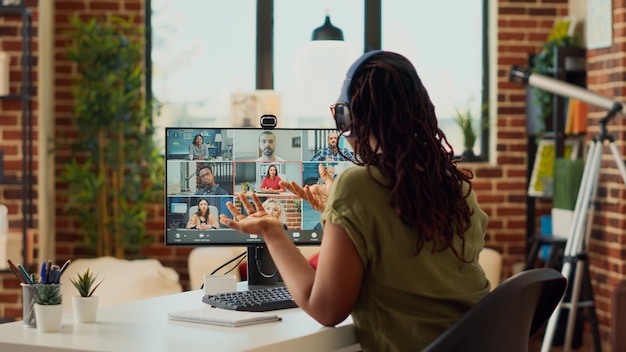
point(262, 272)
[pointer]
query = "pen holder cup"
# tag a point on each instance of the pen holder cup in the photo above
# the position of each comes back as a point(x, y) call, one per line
point(28, 304)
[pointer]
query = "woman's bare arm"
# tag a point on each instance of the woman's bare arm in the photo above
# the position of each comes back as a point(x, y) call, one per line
point(328, 294)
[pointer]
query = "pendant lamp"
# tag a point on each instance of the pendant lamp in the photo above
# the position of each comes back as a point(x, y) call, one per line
point(327, 31)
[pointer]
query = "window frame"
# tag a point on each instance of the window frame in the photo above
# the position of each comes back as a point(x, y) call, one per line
point(264, 62)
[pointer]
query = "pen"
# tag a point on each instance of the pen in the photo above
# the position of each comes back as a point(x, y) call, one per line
point(55, 274)
point(25, 274)
point(48, 272)
point(42, 274)
point(67, 262)
point(16, 272)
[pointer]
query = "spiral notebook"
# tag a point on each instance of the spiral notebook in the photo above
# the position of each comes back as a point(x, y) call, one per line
point(223, 317)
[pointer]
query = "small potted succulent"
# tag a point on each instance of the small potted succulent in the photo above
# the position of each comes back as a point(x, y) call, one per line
point(48, 308)
point(86, 304)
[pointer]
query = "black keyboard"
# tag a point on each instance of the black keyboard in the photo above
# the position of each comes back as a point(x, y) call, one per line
point(258, 300)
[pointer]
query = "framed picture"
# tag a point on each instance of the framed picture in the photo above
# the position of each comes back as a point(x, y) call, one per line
point(296, 142)
point(599, 28)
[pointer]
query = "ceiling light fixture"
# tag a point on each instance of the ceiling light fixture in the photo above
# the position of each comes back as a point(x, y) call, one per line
point(327, 31)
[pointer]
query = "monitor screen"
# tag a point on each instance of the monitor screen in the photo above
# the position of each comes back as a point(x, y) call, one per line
point(227, 161)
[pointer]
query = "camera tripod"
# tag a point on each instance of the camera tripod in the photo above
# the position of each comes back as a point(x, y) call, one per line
point(575, 265)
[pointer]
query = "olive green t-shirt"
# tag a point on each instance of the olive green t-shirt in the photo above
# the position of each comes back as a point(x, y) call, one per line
point(406, 300)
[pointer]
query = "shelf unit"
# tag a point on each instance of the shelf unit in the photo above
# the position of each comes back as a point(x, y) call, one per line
point(24, 96)
point(569, 66)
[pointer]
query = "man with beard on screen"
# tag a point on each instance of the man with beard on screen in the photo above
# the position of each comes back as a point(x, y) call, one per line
point(267, 145)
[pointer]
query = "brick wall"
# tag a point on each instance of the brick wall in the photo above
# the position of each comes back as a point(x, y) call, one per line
point(11, 139)
point(522, 26)
point(500, 187)
point(607, 246)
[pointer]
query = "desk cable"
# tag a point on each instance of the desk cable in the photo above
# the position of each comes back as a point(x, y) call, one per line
point(241, 257)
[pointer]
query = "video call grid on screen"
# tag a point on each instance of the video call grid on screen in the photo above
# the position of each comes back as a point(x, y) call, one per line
point(235, 159)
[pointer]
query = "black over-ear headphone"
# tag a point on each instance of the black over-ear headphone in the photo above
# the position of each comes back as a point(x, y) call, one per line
point(342, 109)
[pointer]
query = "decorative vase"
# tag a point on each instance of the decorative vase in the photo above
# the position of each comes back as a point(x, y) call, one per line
point(85, 309)
point(48, 317)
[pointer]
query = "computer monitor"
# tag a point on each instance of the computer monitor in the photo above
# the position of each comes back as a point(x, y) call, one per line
point(237, 160)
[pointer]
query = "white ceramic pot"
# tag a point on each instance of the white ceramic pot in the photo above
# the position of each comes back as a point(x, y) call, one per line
point(28, 303)
point(85, 309)
point(48, 317)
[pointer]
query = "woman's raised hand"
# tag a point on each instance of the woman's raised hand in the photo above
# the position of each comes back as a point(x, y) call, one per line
point(316, 195)
point(258, 220)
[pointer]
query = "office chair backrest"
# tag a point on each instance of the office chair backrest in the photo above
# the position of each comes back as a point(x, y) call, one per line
point(508, 316)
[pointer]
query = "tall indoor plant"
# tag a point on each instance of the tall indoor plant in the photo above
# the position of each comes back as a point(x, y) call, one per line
point(115, 168)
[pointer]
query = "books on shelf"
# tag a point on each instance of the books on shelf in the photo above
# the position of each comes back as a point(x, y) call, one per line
point(223, 317)
point(576, 117)
point(542, 177)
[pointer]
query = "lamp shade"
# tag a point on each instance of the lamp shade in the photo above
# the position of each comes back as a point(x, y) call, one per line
point(218, 138)
point(327, 31)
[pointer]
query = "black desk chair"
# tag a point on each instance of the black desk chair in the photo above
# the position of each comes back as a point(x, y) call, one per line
point(508, 316)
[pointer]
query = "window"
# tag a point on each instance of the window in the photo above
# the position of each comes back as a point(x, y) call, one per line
point(203, 53)
point(308, 74)
point(444, 40)
point(204, 59)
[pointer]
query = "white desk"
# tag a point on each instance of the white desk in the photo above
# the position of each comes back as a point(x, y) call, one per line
point(143, 326)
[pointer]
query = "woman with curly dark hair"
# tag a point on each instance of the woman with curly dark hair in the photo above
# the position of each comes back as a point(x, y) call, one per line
point(402, 232)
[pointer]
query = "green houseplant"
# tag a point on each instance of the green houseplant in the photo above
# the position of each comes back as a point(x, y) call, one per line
point(114, 168)
point(467, 123)
point(84, 283)
point(48, 308)
point(48, 295)
point(470, 126)
point(85, 305)
point(543, 63)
